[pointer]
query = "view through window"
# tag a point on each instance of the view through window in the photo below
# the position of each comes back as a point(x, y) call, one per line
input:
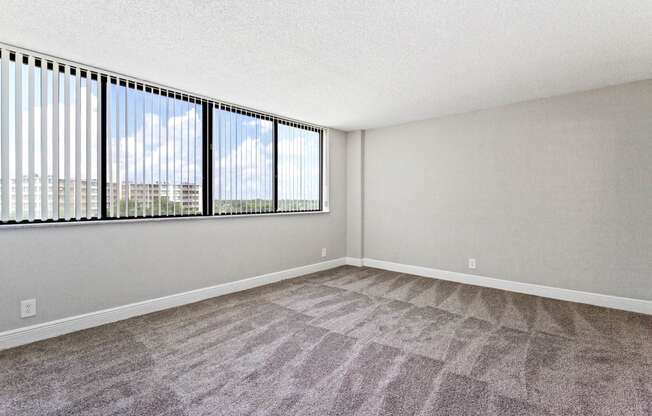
point(49, 141)
point(154, 153)
point(243, 163)
point(298, 168)
point(82, 144)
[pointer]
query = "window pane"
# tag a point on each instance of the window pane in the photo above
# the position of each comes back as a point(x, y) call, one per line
point(298, 169)
point(242, 163)
point(49, 141)
point(154, 153)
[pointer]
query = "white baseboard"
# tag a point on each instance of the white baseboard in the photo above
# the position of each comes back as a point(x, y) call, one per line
point(607, 301)
point(26, 335)
point(353, 261)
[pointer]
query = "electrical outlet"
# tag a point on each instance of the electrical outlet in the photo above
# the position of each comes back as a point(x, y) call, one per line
point(471, 263)
point(27, 308)
point(323, 252)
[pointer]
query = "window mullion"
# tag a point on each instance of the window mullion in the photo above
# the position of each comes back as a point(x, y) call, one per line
point(207, 149)
point(102, 81)
point(275, 164)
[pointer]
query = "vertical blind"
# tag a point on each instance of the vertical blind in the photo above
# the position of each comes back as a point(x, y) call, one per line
point(299, 168)
point(154, 152)
point(49, 138)
point(243, 162)
point(80, 143)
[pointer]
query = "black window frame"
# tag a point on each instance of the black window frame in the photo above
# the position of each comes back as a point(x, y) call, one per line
point(207, 106)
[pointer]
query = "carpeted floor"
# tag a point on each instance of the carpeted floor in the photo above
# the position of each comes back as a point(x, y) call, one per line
point(348, 341)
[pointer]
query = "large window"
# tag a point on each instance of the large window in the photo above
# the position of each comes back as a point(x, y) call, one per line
point(79, 144)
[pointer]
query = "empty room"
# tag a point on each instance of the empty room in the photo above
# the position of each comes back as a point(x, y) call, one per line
point(326, 208)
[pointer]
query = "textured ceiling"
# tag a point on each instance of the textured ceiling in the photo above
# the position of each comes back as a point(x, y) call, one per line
point(350, 64)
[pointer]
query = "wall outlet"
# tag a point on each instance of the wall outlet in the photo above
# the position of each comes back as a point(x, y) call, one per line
point(471, 263)
point(323, 252)
point(27, 308)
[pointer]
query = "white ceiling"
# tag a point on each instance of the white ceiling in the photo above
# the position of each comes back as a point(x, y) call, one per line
point(350, 64)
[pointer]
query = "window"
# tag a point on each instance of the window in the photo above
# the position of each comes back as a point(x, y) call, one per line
point(299, 168)
point(154, 152)
point(80, 144)
point(249, 179)
point(243, 162)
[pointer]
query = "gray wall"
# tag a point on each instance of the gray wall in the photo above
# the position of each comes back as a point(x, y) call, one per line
point(555, 192)
point(78, 269)
point(354, 193)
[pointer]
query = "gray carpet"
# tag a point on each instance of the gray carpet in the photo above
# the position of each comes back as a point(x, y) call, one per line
point(348, 341)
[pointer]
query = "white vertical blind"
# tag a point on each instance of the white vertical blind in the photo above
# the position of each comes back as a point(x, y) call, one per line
point(242, 161)
point(4, 135)
point(56, 188)
point(96, 149)
point(175, 156)
point(114, 149)
point(110, 180)
point(325, 171)
point(146, 132)
point(31, 161)
point(299, 166)
point(45, 149)
point(89, 144)
point(18, 111)
point(127, 144)
point(155, 140)
point(78, 145)
point(51, 151)
point(66, 142)
point(159, 142)
point(31, 153)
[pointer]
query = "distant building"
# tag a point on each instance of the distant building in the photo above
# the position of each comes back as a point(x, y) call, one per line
point(184, 196)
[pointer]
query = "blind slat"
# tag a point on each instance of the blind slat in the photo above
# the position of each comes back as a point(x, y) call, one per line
point(126, 155)
point(147, 132)
point(118, 155)
point(18, 134)
point(4, 136)
point(31, 141)
point(88, 140)
point(78, 143)
point(109, 152)
point(55, 141)
point(160, 152)
point(195, 185)
point(66, 141)
point(174, 158)
point(167, 155)
point(44, 140)
point(184, 187)
point(98, 145)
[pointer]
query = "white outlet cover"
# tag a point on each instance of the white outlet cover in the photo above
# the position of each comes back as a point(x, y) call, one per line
point(471, 263)
point(27, 308)
point(323, 252)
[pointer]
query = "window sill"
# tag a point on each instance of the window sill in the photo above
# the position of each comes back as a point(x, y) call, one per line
point(149, 220)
